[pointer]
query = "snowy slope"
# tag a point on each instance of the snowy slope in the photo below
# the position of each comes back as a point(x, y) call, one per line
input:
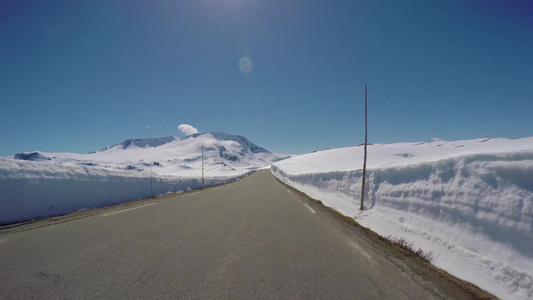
point(152, 142)
point(38, 184)
point(224, 155)
point(469, 203)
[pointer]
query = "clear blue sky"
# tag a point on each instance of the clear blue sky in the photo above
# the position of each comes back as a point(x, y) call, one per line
point(78, 75)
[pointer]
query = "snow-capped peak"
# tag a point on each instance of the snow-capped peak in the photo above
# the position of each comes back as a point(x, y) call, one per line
point(222, 155)
point(246, 144)
point(144, 142)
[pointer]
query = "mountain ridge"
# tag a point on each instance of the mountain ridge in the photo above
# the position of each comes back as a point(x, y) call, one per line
point(218, 152)
point(143, 142)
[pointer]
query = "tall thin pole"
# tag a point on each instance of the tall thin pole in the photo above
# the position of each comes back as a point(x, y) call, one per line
point(366, 142)
point(202, 164)
point(151, 180)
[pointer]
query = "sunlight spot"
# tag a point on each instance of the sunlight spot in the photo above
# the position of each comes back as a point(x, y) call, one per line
point(245, 65)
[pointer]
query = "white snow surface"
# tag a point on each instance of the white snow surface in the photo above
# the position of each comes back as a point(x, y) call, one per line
point(468, 203)
point(40, 184)
point(224, 155)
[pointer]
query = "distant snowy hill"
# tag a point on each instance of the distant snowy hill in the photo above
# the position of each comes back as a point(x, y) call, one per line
point(224, 154)
point(152, 142)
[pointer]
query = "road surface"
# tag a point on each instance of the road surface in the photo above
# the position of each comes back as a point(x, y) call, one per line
point(252, 239)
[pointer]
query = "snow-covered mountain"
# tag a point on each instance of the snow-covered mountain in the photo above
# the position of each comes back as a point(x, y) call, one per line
point(223, 154)
point(39, 184)
point(152, 142)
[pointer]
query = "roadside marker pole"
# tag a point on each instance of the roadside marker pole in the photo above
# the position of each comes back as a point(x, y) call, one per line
point(366, 142)
point(203, 183)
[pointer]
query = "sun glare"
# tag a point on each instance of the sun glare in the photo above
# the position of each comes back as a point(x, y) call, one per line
point(245, 64)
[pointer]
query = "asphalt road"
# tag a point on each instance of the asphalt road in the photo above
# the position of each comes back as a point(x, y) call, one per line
point(252, 239)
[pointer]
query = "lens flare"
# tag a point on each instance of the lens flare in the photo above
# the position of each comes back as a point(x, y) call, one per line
point(245, 65)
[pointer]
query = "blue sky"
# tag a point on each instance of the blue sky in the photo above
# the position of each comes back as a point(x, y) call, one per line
point(78, 75)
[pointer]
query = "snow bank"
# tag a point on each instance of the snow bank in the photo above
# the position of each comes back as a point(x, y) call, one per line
point(469, 203)
point(32, 190)
point(37, 184)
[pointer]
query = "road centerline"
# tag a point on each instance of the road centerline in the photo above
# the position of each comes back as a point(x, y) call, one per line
point(125, 210)
point(191, 194)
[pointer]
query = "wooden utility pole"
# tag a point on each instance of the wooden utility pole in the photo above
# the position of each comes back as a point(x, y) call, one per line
point(366, 142)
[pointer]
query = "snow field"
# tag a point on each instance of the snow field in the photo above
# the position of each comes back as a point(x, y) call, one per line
point(472, 209)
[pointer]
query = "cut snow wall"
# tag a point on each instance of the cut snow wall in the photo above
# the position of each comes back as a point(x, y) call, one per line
point(482, 204)
point(491, 193)
point(32, 190)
